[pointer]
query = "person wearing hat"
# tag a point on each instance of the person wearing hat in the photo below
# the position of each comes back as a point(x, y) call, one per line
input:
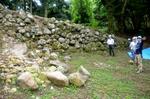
point(141, 40)
point(111, 43)
point(133, 47)
point(138, 55)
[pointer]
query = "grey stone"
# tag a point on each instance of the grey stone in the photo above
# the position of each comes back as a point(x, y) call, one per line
point(8, 16)
point(83, 71)
point(41, 42)
point(22, 31)
point(22, 24)
point(51, 26)
point(67, 58)
point(19, 20)
point(77, 45)
point(25, 80)
point(22, 14)
point(46, 31)
point(72, 42)
point(77, 79)
point(58, 78)
point(27, 20)
point(97, 33)
point(53, 56)
point(53, 20)
point(30, 16)
point(1, 16)
point(61, 40)
point(8, 24)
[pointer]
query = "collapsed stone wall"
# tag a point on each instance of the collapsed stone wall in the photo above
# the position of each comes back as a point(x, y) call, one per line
point(41, 32)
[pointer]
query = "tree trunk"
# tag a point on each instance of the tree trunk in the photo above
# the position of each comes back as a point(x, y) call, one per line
point(45, 8)
point(31, 6)
point(24, 5)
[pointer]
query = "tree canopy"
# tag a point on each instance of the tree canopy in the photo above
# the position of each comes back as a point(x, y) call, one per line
point(119, 16)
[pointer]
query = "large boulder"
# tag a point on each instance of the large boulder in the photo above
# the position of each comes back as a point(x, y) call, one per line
point(80, 77)
point(83, 71)
point(25, 80)
point(60, 65)
point(53, 56)
point(77, 79)
point(58, 78)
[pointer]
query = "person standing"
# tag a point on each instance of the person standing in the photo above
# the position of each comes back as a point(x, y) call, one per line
point(141, 40)
point(133, 47)
point(111, 43)
point(138, 56)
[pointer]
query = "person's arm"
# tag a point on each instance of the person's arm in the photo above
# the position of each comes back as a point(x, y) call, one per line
point(130, 45)
point(107, 41)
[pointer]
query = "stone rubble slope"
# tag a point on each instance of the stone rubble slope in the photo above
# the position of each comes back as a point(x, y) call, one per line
point(39, 32)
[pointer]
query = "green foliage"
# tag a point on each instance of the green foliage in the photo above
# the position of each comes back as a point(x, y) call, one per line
point(128, 15)
point(82, 11)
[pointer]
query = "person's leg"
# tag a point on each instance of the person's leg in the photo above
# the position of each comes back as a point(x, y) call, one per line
point(109, 49)
point(136, 60)
point(140, 65)
point(133, 55)
point(113, 53)
point(141, 52)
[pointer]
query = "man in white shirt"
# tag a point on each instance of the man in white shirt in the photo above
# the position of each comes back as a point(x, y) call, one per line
point(133, 47)
point(110, 43)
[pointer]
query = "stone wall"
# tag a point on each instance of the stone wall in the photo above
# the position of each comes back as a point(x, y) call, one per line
point(41, 32)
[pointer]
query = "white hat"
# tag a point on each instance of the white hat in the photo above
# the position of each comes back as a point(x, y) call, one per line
point(134, 38)
point(139, 37)
point(109, 35)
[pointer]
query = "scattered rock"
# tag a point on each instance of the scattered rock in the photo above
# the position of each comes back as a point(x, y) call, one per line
point(67, 58)
point(52, 69)
point(83, 71)
point(53, 56)
point(61, 40)
point(27, 20)
point(58, 78)
point(77, 79)
point(46, 31)
point(25, 80)
point(60, 64)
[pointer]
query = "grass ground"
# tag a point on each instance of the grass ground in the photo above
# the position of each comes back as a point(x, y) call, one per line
point(111, 78)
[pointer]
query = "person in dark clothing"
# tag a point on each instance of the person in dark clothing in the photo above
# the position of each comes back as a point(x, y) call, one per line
point(138, 56)
point(141, 40)
point(110, 43)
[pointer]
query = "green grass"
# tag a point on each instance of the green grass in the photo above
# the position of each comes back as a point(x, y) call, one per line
point(116, 80)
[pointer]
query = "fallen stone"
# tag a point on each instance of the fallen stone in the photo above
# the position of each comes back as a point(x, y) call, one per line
point(58, 78)
point(25, 80)
point(83, 71)
point(60, 64)
point(61, 40)
point(53, 56)
point(77, 79)
point(46, 31)
point(27, 20)
point(67, 58)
